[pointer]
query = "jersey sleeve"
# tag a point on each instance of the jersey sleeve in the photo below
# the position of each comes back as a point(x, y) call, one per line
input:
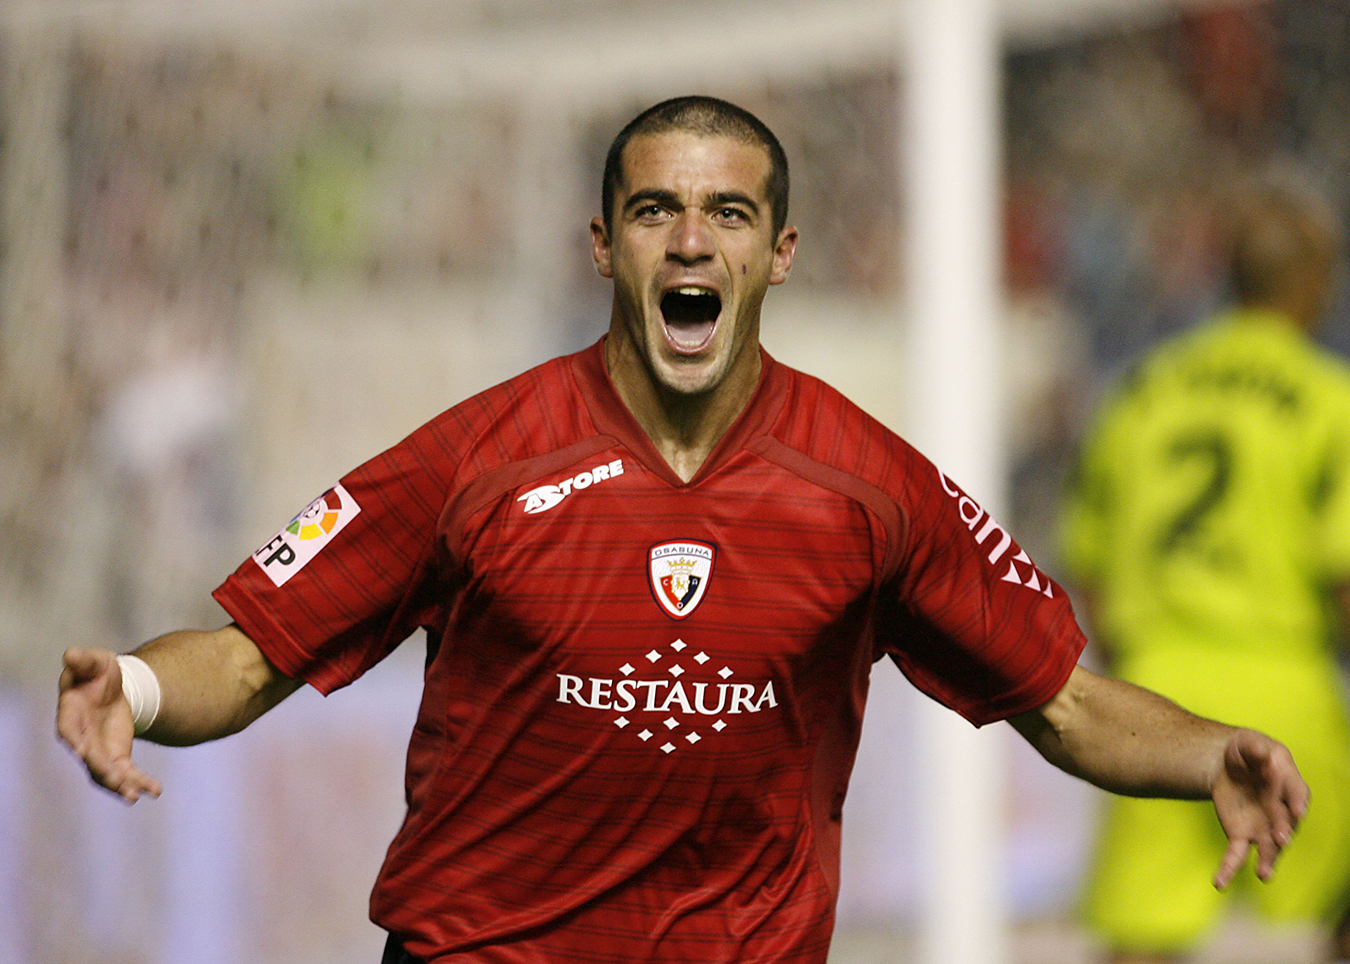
point(355, 573)
point(968, 617)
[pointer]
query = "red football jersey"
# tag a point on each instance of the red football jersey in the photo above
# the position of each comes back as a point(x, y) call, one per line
point(643, 696)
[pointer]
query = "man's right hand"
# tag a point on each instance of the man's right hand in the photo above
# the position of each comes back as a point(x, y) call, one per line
point(94, 718)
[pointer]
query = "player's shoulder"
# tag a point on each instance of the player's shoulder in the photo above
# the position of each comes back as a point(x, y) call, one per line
point(1320, 377)
point(1332, 371)
point(531, 414)
point(820, 423)
point(1213, 353)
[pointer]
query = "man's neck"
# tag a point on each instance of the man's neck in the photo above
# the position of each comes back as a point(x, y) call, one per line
point(684, 428)
point(1299, 314)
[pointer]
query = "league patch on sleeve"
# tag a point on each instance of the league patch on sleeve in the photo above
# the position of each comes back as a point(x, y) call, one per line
point(307, 533)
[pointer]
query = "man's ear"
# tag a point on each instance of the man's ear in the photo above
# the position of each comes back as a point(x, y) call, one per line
point(600, 250)
point(783, 252)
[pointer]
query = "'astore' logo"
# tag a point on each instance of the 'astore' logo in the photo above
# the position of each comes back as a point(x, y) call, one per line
point(544, 497)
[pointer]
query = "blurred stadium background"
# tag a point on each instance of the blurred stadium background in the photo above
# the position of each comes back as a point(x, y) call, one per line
point(245, 245)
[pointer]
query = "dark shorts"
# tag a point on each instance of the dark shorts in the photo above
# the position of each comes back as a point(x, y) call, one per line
point(395, 954)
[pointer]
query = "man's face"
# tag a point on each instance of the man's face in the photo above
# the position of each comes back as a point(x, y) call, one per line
point(691, 252)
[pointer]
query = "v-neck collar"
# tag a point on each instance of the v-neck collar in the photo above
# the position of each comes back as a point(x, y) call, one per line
point(612, 417)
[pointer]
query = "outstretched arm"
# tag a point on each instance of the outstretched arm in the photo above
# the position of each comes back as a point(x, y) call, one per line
point(1130, 740)
point(213, 683)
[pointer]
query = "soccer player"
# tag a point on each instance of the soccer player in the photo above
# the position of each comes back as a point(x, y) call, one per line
point(1210, 525)
point(654, 577)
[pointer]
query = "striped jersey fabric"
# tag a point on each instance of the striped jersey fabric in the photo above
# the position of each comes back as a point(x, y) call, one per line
point(643, 696)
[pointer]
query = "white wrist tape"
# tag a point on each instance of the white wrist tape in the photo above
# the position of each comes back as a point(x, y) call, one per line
point(140, 686)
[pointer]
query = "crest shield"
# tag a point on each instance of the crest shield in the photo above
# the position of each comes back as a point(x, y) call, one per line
point(678, 573)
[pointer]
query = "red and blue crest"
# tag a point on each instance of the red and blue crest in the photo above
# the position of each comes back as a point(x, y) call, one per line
point(678, 573)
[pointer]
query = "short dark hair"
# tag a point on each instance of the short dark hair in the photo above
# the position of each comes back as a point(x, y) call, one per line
point(709, 117)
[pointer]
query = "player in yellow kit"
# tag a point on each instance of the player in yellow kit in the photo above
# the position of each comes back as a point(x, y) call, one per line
point(1208, 527)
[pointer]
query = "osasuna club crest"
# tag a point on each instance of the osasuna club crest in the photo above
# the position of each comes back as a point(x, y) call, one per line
point(679, 574)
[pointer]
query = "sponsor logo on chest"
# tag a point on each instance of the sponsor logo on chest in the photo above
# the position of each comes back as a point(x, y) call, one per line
point(675, 697)
point(544, 497)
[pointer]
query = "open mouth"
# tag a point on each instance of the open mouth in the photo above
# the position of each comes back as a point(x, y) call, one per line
point(690, 314)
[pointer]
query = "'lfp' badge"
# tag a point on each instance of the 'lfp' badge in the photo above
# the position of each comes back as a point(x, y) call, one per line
point(679, 574)
point(298, 543)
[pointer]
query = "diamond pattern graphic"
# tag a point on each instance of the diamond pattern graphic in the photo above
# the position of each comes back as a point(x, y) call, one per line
point(653, 697)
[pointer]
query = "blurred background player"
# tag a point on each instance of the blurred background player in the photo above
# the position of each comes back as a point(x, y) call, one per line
point(1208, 530)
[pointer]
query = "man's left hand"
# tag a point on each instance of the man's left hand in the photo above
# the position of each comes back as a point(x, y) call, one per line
point(1260, 798)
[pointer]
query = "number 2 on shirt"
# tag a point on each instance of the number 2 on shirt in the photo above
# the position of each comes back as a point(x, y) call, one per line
point(1214, 451)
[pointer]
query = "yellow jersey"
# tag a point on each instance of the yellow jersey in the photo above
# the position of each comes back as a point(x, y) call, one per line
point(1211, 506)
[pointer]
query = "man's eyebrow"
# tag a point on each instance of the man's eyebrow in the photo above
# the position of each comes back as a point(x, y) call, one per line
point(650, 195)
point(671, 200)
point(733, 197)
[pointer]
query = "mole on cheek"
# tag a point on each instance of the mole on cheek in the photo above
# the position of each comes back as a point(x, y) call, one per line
point(742, 269)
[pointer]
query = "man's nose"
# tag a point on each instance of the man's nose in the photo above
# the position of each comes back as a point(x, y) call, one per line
point(691, 238)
